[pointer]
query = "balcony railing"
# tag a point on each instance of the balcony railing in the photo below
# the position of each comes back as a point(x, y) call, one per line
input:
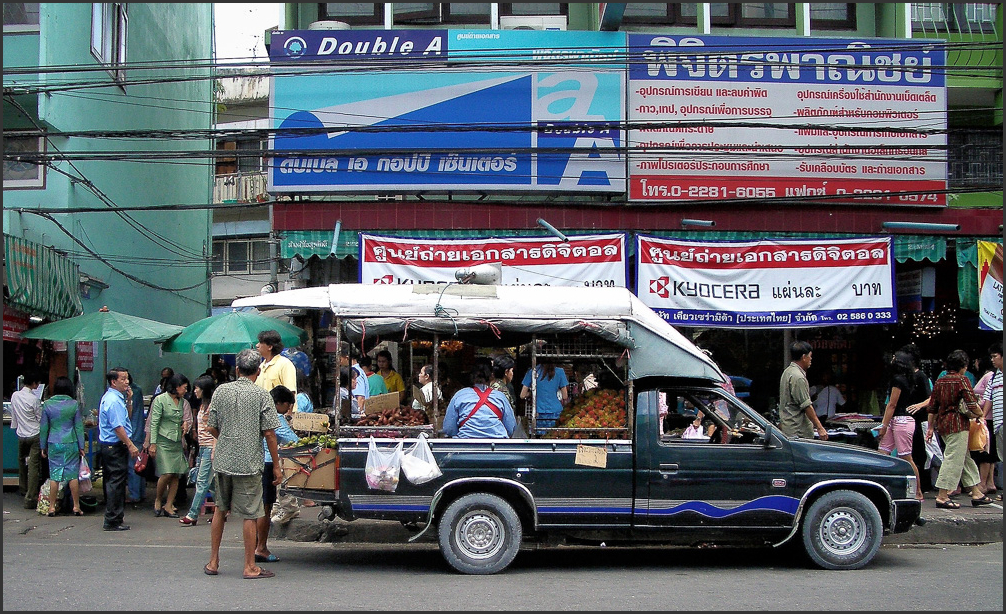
point(240, 188)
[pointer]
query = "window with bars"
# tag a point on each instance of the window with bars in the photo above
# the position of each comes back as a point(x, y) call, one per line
point(358, 13)
point(722, 14)
point(962, 17)
point(240, 256)
point(974, 158)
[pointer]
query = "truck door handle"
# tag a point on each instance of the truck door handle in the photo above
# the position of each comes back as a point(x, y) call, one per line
point(668, 468)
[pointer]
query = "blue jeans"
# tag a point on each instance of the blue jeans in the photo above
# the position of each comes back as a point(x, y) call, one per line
point(204, 476)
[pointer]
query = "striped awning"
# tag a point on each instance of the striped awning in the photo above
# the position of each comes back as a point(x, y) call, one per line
point(40, 281)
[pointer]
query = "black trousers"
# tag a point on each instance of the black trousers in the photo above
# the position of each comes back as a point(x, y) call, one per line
point(114, 476)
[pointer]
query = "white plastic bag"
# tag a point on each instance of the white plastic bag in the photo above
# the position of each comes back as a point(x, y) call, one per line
point(383, 466)
point(934, 455)
point(419, 464)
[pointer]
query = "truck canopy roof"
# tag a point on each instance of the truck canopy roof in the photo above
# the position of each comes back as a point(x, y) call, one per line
point(506, 315)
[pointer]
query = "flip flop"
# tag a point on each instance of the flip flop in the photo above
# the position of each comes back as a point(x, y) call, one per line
point(948, 504)
point(208, 571)
point(263, 573)
point(272, 558)
point(983, 501)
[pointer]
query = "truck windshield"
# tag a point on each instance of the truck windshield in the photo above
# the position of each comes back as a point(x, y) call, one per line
point(705, 416)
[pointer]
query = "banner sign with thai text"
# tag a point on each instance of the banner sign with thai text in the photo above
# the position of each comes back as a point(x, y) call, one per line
point(586, 260)
point(784, 283)
point(721, 118)
point(990, 285)
point(400, 117)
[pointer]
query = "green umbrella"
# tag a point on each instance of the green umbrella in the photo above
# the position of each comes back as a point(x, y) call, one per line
point(103, 325)
point(231, 332)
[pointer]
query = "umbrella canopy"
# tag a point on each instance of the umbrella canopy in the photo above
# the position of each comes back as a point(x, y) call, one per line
point(103, 325)
point(231, 332)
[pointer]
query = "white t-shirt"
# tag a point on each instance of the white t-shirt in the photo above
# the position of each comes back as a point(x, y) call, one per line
point(826, 399)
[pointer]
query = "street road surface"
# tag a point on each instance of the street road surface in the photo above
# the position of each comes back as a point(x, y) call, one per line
point(68, 563)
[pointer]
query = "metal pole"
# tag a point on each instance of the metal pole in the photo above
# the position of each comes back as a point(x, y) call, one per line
point(436, 380)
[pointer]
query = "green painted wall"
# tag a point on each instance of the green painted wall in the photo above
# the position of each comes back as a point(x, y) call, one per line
point(163, 248)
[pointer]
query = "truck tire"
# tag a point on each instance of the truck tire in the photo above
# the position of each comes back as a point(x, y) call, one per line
point(842, 530)
point(479, 534)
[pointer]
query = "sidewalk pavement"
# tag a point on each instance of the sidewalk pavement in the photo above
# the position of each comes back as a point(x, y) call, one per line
point(967, 525)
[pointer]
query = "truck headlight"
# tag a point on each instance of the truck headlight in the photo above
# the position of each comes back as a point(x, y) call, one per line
point(911, 487)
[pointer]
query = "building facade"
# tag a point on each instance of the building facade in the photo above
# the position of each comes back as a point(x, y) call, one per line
point(107, 205)
point(934, 231)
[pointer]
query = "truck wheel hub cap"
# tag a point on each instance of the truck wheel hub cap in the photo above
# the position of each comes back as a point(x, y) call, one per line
point(843, 530)
point(480, 535)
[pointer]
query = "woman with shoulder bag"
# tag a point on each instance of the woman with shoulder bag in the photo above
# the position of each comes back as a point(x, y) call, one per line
point(948, 394)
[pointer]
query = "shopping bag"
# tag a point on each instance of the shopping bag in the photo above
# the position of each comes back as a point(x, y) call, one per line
point(383, 466)
point(85, 469)
point(43, 498)
point(934, 455)
point(419, 464)
point(978, 436)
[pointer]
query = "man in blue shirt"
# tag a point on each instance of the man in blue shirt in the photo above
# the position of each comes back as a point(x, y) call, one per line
point(479, 412)
point(362, 389)
point(114, 431)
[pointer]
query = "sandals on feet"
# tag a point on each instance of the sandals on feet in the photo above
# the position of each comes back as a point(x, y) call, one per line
point(51, 514)
point(985, 500)
point(948, 504)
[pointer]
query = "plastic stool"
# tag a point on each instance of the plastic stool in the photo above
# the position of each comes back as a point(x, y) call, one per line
point(208, 506)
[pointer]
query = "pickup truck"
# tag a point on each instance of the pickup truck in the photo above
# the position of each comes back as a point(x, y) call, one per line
point(746, 484)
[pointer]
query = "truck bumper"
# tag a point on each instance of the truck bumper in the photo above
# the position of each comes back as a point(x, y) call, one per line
point(906, 512)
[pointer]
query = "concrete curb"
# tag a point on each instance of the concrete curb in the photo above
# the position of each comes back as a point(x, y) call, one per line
point(982, 525)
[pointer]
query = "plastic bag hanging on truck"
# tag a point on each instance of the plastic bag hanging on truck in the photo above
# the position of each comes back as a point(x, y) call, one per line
point(419, 464)
point(383, 466)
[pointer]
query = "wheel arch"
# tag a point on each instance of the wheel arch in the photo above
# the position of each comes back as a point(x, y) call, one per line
point(873, 491)
point(514, 493)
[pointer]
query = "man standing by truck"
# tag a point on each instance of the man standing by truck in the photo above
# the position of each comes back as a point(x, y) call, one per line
point(241, 414)
point(797, 417)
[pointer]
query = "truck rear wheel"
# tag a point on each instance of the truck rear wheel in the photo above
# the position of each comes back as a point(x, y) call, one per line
point(479, 534)
point(842, 530)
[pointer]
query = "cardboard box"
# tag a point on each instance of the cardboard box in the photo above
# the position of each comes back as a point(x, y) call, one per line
point(310, 471)
point(309, 422)
point(380, 402)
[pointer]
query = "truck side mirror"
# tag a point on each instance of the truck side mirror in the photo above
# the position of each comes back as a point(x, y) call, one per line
point(768, 442)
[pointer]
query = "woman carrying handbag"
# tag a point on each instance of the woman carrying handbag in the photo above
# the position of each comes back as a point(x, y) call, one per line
point(950, 393)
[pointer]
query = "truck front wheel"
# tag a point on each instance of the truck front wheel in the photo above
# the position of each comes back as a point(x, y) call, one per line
point(479, 534)
point(842, 530)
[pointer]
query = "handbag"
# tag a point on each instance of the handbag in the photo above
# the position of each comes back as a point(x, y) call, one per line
point(964, 409)
point(978, 436)
point(141, 461)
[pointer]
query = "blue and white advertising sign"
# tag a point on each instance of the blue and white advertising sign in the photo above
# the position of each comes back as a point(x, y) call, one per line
point(782, 283)
point(458, 127)
point(857, 121)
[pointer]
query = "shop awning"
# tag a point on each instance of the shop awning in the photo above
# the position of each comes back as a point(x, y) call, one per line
point(307, 243)
point(41, 281)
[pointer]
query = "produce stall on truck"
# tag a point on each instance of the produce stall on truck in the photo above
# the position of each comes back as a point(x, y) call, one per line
point(604, 472)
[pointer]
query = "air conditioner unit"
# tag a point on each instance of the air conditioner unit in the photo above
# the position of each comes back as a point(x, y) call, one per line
point(532, 22)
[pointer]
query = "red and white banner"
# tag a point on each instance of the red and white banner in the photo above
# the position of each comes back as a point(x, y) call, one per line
point(766, 284)
point(14, 323)
point(586, 260)
point(85, 355)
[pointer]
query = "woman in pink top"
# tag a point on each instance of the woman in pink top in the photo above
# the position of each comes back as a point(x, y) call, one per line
point(203, 389)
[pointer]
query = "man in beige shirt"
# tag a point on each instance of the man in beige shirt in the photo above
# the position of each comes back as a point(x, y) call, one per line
point(797, 417)
point(276, 369)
